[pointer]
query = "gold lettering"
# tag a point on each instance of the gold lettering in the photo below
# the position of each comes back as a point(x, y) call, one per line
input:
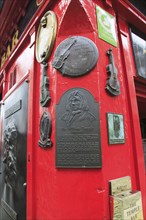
point(3, 59)
point(8, 51)
point(15, 39)
point(39, 2)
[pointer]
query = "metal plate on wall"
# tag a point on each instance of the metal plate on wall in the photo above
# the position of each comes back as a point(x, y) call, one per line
point(78, 133)
point(75, 56)
point(45, 36)
point(14, 144)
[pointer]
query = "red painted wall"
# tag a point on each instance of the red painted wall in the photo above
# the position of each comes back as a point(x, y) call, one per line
point(56, 193)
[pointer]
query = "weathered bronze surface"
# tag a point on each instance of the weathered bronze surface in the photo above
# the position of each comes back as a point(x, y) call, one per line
point(45, 93)
point(10, 153)
point(13, 155)
point(14, 108)
point(116, 134)
point(45, 36)
point(6, 208)
point(75, 56)
point(112, 84)
point(45, 130)
point(77, 130)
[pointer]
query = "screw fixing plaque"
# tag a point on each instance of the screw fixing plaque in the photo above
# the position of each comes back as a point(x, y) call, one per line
point(45, 36)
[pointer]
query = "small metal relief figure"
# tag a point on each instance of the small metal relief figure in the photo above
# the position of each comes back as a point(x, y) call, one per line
point(45, 131)
point(9, 159)
point(46, 35)
point(45, 93)
point(112, 84)
point(75, 56)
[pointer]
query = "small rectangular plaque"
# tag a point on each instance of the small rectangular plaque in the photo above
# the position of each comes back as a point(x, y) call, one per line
point(78, 134)
point(8, 210)
point(116, 133)
point(14, 108)
point(120, 185)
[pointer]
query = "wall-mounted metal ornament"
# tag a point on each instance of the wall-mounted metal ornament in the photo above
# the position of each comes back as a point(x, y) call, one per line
point(45, 36)
point(45, 93)
point(75, 56)
point(112, 84)
point(78, 130)
point(116, 133)
point(45, 131)
point(9, 158)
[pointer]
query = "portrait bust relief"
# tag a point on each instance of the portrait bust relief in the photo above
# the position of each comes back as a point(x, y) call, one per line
point(77, 114)
point(77, 130)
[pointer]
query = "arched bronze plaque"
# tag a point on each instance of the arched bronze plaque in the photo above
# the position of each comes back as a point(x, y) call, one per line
point(77, 130)
point(45, 36)
point(75, 56)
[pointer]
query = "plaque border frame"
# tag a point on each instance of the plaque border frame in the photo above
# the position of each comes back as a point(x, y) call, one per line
point(112, 141)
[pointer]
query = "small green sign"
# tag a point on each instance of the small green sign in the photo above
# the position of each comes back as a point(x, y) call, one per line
point(106, 26)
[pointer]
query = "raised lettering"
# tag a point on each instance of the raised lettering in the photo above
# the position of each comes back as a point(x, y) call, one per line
point(15, 39)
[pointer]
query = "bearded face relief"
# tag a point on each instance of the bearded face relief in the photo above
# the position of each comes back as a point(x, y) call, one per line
point(78, 130)
point(77, 115)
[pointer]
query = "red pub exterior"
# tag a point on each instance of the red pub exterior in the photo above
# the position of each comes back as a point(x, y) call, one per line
point(72, 109)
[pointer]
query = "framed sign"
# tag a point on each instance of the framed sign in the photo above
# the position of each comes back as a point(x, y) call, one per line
point(106, 26)
point(115, 124)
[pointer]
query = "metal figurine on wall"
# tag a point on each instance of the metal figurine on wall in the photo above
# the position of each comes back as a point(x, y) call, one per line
point(75, 56)
point(112, 84)
point(45, 93)
point(45, 130)
point(44, 43)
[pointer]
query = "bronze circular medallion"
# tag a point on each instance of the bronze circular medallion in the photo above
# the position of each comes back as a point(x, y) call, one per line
point(75, 56)
point(45, 36)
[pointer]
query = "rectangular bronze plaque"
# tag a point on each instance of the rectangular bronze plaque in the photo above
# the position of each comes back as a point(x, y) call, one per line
point(78, 134)
point(8, 210)
point(14, 108)
point(115, 124)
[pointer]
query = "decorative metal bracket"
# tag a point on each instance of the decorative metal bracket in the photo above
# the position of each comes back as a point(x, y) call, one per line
point(45, 93)
point(45, 130)
point(112, 84)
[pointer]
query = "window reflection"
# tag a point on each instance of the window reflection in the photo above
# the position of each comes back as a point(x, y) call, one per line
point(139, 49)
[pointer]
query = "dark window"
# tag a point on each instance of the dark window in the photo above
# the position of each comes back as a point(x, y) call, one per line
point(140, 5)
point(139, 49)
point(0, 95)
